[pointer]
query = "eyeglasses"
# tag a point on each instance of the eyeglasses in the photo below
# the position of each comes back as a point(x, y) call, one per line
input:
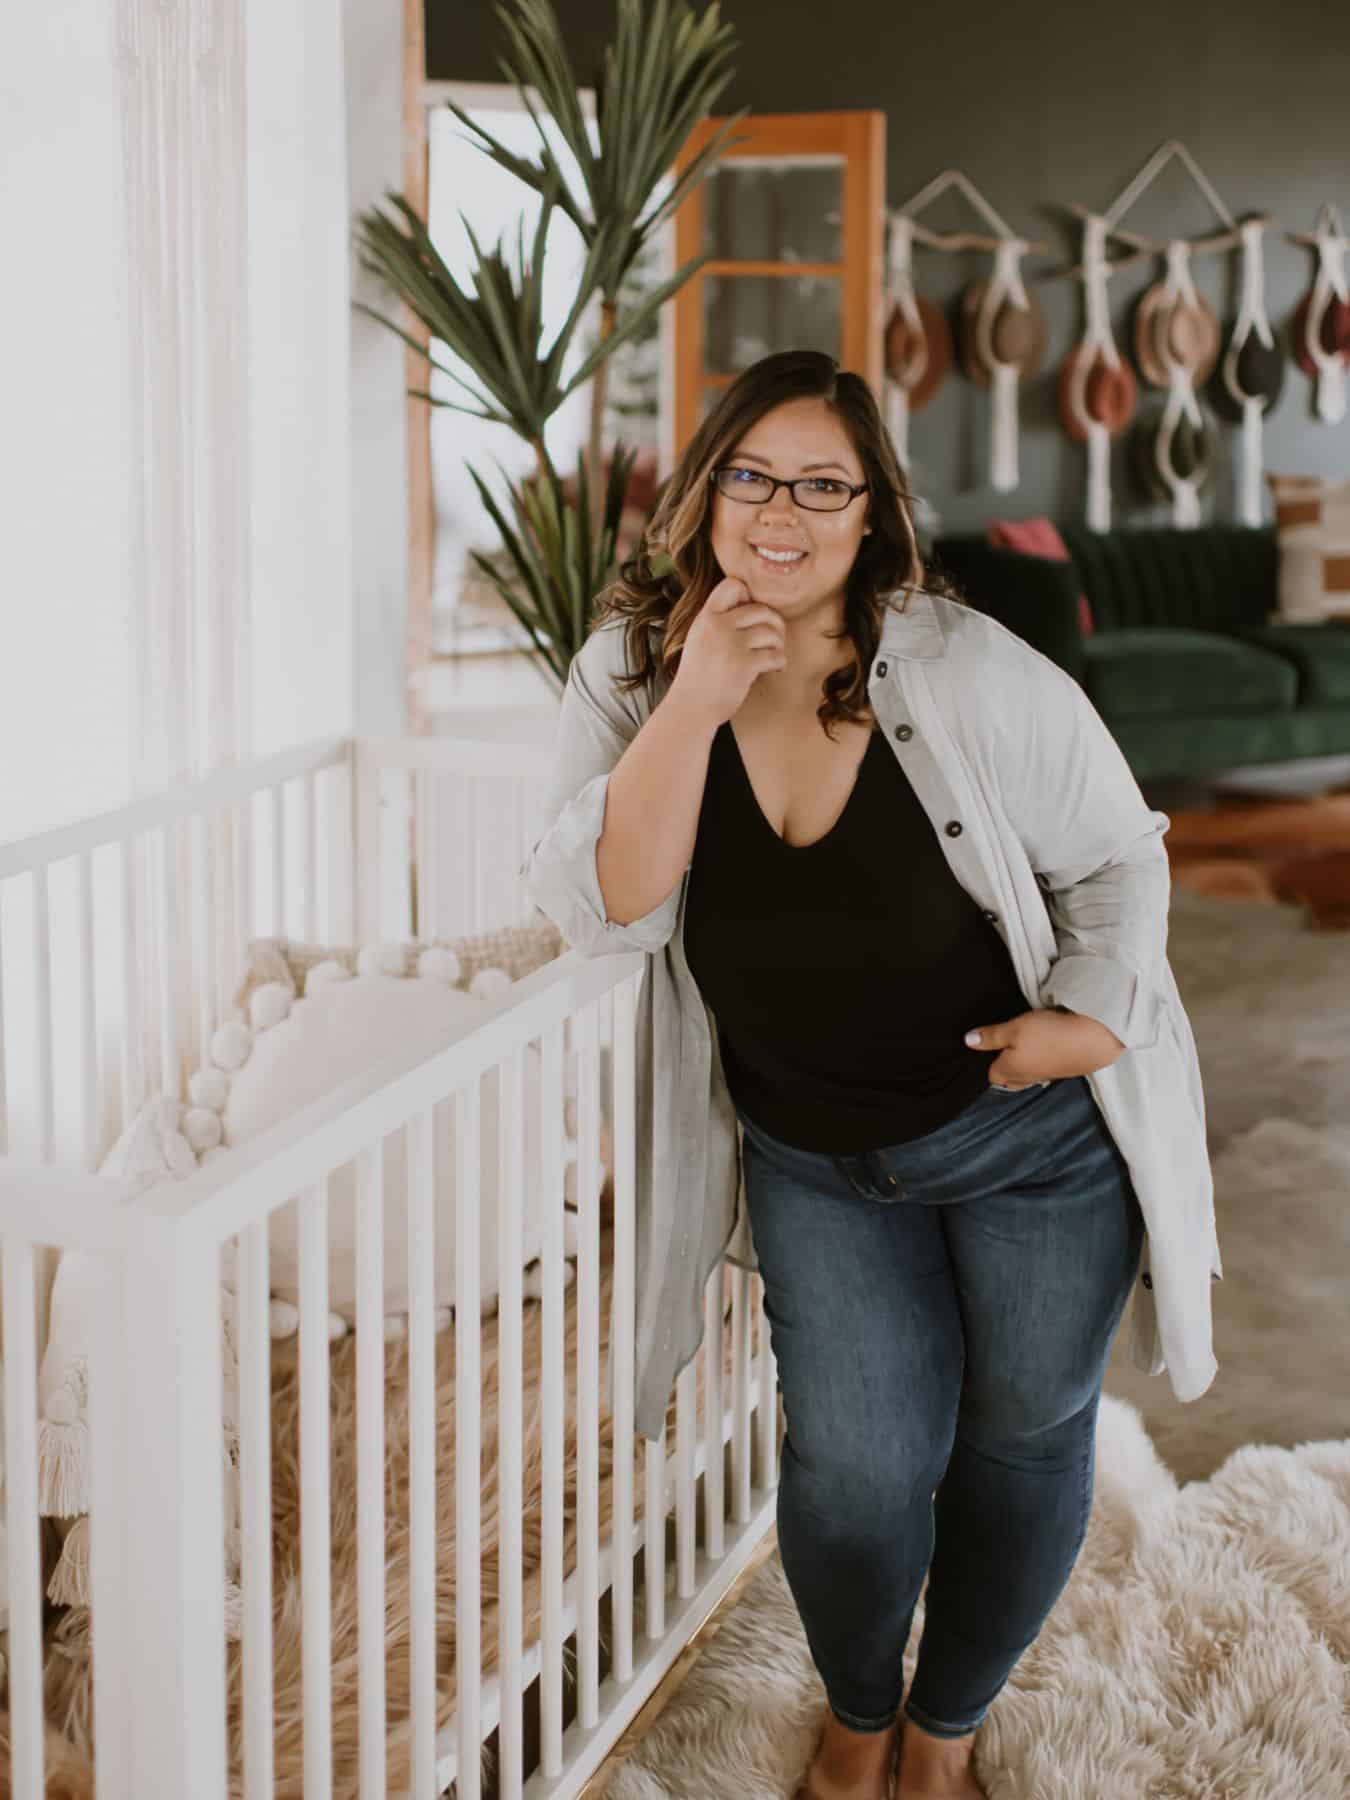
point(817, 493)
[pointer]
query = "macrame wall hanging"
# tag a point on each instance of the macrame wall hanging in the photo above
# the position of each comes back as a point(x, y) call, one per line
point(1176, 346)
point(1096, 388)
point(1002, 327)
point(1321, 326)
point(1250, 376)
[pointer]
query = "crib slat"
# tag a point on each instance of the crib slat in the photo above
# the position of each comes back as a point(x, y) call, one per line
point(713, 1497)
point(588, 1368)
point(202, 962)
point(4, 1078)
point(654, 1533)
point(767, 1416)
point(464, 923)
point(311, 842)
point(510, 1426)
point(370, 1534)
point(42, 957)
point(477, 858)
point(255, 1510)
point(241, 843)
point(553, 1355)
point(621, 1323)
point(278, 861)
point(27, 1781)
point(88, 1020)
point(740, 1396)
point(131, 987)
point(170, 1075)
point(468, 1439)
point(685, 1426)
point(315, 1528)
point(424, 793)
point(422, 1454)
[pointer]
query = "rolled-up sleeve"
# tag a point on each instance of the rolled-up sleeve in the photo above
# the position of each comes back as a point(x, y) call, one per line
point(596, 725)
point(1097, 850)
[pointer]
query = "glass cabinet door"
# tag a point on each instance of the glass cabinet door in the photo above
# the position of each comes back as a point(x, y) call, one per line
point(793, 219)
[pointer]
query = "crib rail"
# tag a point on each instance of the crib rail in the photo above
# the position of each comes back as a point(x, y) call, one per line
point(120, 937)
point(155, 1412)
point(350, 842)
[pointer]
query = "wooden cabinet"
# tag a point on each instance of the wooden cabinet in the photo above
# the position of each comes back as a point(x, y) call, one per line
point(794, 217)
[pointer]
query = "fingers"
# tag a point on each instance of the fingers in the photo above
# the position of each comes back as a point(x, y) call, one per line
point(729, 592)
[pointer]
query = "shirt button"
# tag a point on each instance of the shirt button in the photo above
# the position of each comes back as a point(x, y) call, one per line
point(881, 668)
point(953, 828)
point(1147, 1279)
point(904, 733)
point(991, 915)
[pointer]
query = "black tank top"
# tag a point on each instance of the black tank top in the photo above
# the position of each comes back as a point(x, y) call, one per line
point(842, 975)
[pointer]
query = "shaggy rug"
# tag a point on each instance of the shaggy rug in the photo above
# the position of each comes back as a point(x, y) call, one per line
point(1201, 1650)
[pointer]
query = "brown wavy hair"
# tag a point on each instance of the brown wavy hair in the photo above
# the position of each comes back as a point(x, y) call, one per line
point(663, 585)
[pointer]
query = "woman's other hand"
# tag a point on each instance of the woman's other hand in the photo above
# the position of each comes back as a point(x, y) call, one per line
point(1045, 1045)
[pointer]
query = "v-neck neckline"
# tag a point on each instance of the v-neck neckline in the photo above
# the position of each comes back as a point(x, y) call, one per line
point(815, 844)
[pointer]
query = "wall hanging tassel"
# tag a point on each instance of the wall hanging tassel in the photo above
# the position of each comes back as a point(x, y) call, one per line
point(1322, 323)
point(1096, 389)
point(1252, 372)
point(907, 351)
point(1183, 349)
point(918, 347)
point(1006, 342)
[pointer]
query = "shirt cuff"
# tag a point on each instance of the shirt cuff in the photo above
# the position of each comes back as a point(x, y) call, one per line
point(1108, 992)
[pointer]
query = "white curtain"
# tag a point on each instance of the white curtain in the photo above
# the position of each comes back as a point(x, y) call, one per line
point(174, 440)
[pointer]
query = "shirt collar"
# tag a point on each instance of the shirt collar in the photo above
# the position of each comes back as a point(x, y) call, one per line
point(912, 626)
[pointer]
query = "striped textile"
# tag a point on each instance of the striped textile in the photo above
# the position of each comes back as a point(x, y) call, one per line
point(1312, 524)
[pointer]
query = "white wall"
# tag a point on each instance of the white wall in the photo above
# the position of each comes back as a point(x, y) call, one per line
point(72, 480)
point(300, 418)
point(65, 421)
point(379, 456)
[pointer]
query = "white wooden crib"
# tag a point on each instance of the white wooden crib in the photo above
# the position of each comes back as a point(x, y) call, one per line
point(122, 938)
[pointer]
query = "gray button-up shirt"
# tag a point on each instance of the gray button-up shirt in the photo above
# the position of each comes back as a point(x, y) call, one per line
point(1044, 826)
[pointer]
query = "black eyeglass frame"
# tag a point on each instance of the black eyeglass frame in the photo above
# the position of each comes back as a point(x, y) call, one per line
point(791, 486)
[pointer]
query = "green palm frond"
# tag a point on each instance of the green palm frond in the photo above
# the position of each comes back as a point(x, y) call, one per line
point(661, 76)
point(557, 565)
point(496, 329)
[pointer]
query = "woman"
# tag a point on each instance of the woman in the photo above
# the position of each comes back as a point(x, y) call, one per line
point(909, 1046)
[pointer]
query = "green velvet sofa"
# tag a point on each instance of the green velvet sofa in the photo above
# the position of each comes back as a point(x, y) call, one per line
point(1183, 662)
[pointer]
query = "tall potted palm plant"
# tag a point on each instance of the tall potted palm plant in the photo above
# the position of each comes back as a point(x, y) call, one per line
point(660, 76)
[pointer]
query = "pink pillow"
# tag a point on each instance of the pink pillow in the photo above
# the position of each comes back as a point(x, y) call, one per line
point(1038, 537)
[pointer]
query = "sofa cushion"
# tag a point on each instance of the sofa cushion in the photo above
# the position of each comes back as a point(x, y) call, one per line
point(1032, 595)
point(1320, 653)
point(1212, 578)
point(1312, 519)
point(1038, 536)
point(1147, 672)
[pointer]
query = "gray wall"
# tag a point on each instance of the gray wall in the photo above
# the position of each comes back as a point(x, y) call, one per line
point(1042, 105)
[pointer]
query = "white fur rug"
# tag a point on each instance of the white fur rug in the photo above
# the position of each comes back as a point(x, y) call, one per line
point(1201, 1650)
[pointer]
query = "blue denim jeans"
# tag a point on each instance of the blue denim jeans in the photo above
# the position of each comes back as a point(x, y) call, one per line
point(941, 1312)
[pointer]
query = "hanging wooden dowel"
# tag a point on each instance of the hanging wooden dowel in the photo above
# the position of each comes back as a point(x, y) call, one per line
point(959, 240)
point(1076, 272)
point(969, 240)
point(1134, 238)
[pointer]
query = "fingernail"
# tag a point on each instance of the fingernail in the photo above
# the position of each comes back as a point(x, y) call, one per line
point(972, 1037)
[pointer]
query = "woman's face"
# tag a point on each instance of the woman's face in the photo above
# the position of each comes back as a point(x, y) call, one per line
point(816, 550)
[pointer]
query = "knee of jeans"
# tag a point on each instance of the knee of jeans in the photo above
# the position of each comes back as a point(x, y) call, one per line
point(1035, 1423)
point(877, 1470)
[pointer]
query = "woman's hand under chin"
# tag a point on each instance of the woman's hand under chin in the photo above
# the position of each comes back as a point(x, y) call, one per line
point(1047, 1044)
